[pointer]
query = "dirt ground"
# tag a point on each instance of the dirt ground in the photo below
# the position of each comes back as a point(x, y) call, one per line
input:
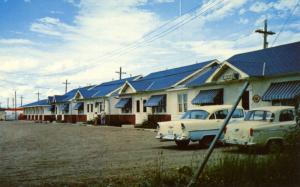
point(34, 153)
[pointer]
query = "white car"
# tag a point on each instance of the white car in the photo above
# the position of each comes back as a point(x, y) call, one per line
point(201, 124)
point(262, 127)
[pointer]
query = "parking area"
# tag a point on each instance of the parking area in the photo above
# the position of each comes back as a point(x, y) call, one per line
point(34, 153)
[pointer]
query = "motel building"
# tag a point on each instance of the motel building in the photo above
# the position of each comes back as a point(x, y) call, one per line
point(38, 111)
point(273, 74)
point(150, 98)
point(78, 105)
point(99, 99)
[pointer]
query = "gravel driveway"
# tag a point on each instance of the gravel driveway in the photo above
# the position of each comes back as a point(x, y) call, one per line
point(34, 153)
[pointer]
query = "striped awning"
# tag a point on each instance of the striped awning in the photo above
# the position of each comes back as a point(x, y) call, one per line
point(206, 97)
point(122, 102)
point(282, 91)
point(154, 100)
point(78, 106)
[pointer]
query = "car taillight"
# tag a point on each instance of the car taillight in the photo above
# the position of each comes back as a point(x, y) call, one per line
point(251, 132)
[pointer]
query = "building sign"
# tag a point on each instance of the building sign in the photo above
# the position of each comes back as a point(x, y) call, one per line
point(231, 76)
point(256, 98)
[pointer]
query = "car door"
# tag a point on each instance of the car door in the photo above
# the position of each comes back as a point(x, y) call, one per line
point(220, 115)
point(284, 124)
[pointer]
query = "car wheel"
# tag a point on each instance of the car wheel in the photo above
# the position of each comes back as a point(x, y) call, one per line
point(274, 146)
point(206, 141)
point(182, 143)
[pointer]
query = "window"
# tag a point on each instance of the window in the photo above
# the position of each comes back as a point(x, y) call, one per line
point(88, 108)
point(286, 115)
point(144, 108)
point(162, 107)
point(238, 113)
point(128, 107)
point(195, 114)
point(92, 108)
point(138, 106)
point(182, 102)
point(259, 115)
point(221, 114)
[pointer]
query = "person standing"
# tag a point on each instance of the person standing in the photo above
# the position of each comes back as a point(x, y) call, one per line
point(102, 118)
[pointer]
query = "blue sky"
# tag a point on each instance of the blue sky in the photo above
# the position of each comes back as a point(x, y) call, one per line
point(44, 42)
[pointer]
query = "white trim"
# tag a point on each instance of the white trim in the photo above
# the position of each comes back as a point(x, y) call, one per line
point(225, 63)
point(78, 91)
point(126, 84)
point(196, 72)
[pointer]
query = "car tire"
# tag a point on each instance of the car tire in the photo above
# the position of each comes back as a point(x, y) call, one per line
point(206, 141)
point(274, 146)
point(182, 143)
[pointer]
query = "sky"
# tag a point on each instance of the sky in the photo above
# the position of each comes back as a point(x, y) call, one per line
point(43, 43)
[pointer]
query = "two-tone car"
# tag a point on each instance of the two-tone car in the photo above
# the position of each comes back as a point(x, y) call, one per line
point(263, 127)
point(200, 124)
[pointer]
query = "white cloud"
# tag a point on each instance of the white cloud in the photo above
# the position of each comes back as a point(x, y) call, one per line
point(50, 26)
point(27, 1)
point(15, 41)
point(242, 11)
point(243, 20)
point(164, 1)
point(260, 7)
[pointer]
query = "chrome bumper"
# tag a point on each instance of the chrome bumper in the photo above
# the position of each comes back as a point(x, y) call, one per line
point(170, 137)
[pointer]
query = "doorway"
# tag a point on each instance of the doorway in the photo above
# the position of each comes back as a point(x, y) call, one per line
point(245, 100)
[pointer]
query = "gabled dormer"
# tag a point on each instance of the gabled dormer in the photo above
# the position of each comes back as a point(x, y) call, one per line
point(127, 88)
point(227, 72)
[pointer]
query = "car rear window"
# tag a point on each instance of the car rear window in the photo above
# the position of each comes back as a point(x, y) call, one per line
point(259, 115)
point(195, 114)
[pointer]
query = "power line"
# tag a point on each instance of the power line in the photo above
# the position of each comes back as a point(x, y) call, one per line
point(181, 23)
point(154, 35)
point(284, 24)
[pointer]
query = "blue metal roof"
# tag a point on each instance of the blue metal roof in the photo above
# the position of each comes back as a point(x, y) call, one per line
point(283, 59)
point(165, 79)
point(282, 90)
point(202, 78)
point(108, 87)
point(43, 102)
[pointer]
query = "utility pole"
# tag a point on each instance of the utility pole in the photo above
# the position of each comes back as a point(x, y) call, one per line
point(22, 100)
point(38, 94)
point(66, 83)
point(0, 104)
point(120, 73)
point(7, 103)
point(265, 32)
point(15, 105)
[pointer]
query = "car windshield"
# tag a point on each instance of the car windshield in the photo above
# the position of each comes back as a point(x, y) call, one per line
point(195, 114)
point(259, 115)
